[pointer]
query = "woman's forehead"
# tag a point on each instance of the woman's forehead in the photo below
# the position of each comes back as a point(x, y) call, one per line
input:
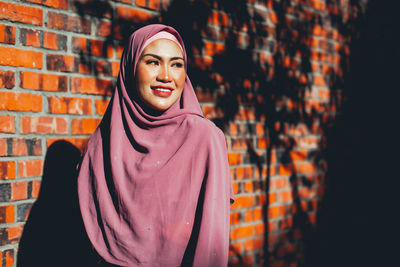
point(163, 48)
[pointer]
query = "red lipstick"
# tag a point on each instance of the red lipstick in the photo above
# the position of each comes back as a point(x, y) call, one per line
point(161, 90)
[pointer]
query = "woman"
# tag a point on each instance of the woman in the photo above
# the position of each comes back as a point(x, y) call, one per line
point(154, 183)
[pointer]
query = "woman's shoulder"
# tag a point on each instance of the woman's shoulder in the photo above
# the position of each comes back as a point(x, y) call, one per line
point(206, 128)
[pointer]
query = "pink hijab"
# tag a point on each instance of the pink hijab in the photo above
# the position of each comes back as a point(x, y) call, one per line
point(155, 190)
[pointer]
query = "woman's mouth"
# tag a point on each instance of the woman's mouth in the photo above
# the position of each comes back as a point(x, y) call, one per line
point(162, 91)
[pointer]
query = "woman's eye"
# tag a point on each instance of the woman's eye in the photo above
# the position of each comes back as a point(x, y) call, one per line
point(152, 62)
point(177, 64)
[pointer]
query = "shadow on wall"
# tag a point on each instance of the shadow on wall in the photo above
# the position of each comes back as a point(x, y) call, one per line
point(269, 70)
point(54, 234)
point(353, 229)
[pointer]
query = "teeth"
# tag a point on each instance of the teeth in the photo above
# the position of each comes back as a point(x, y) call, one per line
point(163, 90)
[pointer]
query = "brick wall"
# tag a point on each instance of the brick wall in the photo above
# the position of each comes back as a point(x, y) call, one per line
point(269, 73)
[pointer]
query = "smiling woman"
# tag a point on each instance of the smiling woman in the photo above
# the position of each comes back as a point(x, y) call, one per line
point(154, 183)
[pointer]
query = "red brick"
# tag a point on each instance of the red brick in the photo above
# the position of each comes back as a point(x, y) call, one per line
point(235, 249)
point(240, 143)
point(262, 142)
point(30, 37)
point(60, 63)
point(9, 257)
point(239, 173)
point(211, 49)
point(7, 79)
point(233, 129)
point(30, 168)
point(68, 23)
point(285, 196)
point(272, 197)
point(260, 228)
point(50, 40)
point(219, 19)
point(242, 202)
point(307, 142)
point(80, 143)
point(305, 192)
point(260, 129)
point(262, 199)
point(21, 147)
point(7, 34)
point(15, 57)
point(70, 105)
point(84, 67)
point(278, 183)
point(235, 218)
point(7, 214)
point(101, 106)
point(319, 80)
point(14, 233)
point(43, 82)
point(133, 15)
point(35, 188)
point(307, 167)
point(210, 112)
point(235, 186)
point(262, 172)
point(20, 102)
point(43, 125)
point(21, 13)
point(119, 51)
point(7, 170)
point(286, 223)
point(258, 214)
point(59, 4)
point(242, 232)
point(245, 114)
point(286, 169)
point(248, 172)
point(96, 48)
point(103, 68)
point(80, 44)
point(273, 17)
point(3, 147)
point(7, 124)
point(141, 3)
point(277, 211)
point(84, 126)
point(248, 216)
point(299, 155)
point(19, 190)
point(104, 28)
point(234, 158)
point(91, 86)
point(253, 244)
point(248, 187)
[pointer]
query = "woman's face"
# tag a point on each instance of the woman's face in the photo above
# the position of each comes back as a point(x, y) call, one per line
point(160, 74)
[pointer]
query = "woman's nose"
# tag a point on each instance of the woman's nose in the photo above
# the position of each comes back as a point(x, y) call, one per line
point(164, 74)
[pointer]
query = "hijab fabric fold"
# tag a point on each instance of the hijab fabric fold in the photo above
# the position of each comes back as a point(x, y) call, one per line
point(155, 190)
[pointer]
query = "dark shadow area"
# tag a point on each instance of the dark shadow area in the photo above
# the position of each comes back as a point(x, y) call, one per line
point(353, 227)
point(54, 234)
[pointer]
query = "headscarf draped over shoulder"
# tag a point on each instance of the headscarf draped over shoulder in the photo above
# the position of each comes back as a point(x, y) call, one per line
point(155, 190)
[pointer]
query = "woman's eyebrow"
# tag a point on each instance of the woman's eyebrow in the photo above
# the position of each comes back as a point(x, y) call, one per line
point(177, 58)
point(159, 58)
